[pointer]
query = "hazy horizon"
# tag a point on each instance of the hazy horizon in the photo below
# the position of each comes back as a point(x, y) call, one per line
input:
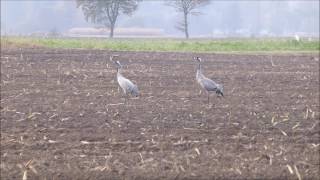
point(243, 18)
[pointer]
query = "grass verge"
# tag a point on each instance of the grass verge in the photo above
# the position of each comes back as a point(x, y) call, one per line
point(175, 45)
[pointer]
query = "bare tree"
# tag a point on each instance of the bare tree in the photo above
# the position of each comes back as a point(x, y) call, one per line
point(106, 12)
point(187, 7)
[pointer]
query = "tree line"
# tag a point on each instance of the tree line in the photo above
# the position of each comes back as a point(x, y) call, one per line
point(106, 12)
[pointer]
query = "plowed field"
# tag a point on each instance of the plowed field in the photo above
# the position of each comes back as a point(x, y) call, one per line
point(64, 117)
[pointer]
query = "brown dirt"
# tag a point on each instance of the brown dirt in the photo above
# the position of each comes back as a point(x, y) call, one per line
point(63, 110)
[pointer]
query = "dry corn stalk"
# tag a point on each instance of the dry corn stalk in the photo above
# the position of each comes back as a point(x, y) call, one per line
point(290, 169)
point(297, 172)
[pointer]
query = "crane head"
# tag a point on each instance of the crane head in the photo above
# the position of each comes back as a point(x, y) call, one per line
point(197, 59)
point(118, 64)
point(112, 56)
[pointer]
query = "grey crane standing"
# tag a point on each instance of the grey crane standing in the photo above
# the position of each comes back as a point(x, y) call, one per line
point(126, 85)
point(206, 83)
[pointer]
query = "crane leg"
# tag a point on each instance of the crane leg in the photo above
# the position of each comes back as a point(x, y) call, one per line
point(208, 97)
point(126, 100)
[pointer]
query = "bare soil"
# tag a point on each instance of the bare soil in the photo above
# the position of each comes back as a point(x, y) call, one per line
point(64, 117)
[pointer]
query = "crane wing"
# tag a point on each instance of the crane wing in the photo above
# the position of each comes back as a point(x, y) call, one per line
point(133, 89)
point(128, 86)
point(209, 84)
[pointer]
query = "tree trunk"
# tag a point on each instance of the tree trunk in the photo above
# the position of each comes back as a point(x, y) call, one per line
point(111, 30)
point(186, 31)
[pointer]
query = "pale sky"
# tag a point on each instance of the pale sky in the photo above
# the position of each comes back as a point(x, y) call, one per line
point(249, 17)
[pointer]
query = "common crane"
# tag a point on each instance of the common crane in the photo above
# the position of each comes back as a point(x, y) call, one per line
point(126, 85)
point(206, 83)
point(297, 37)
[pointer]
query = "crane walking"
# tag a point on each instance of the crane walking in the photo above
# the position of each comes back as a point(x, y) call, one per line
point(126, 85)
point(206, 83)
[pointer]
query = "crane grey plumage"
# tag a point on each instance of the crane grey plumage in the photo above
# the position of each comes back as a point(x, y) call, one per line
point(126, 85)
point(206, 83)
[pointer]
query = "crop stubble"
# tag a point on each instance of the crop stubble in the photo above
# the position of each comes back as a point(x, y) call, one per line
point(63, 116)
